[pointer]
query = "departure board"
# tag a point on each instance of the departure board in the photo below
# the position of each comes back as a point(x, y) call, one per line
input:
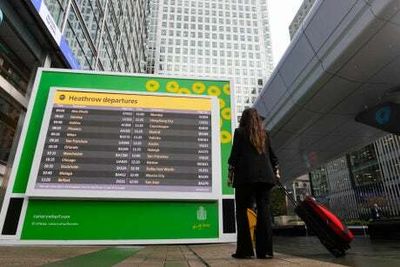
point(130, 143)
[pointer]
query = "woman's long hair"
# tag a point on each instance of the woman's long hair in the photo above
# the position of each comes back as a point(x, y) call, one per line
point(252, 124)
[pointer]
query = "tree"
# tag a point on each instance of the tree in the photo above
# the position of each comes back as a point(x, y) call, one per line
point(278, 202)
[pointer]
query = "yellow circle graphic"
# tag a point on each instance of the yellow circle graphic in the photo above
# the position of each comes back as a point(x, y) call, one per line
point(226, 137)
point(221, 103)
point(172, 87)
point(185, 91)
point(226, 113)
point(214, 90)
point(198, 87)
point(227, 89)
point(152, 85)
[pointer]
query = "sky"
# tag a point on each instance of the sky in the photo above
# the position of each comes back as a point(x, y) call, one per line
point(281, 14)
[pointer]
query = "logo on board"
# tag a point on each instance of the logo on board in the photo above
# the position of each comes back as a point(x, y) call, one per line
point(201, 214)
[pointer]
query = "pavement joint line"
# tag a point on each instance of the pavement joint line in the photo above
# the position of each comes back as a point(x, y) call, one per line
point(102, 257)
point(198, 256)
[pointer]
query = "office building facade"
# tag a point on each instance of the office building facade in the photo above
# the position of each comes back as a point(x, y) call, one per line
point(353, 183)
point(107, 35)
point(226, 39)
point(301, 188)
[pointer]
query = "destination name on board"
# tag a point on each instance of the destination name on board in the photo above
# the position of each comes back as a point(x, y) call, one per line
point(153, 144)
point(160, 115)
point(154, 132)
point(64, 173)
point(74, 129)
point(165, 121)
point(67, 166)
point(160, 169)
point(71, 147)
point(156, 156)
point(149, 182)
point(67, 160)
point(155, 175)
point(156, 126)
point(79, 111)
point(76, 141)
point(75, 117)
point(65, 153)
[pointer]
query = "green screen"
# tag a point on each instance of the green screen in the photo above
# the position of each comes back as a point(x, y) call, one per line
point(113, 220)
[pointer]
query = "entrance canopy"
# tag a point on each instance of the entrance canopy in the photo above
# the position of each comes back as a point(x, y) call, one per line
point(344, 59)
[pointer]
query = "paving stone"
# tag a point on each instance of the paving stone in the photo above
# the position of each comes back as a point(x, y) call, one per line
point(289, 251)
point(37, 256)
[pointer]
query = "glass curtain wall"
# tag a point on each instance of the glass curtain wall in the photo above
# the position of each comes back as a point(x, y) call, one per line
point(341, 193)
point(388, 155)
point(353, 183)
point(107, 35)
point(367, 179)
point(218, 39)
point(319, 185)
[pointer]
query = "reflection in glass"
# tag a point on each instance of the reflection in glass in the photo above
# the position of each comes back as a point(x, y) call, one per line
point(57, 10)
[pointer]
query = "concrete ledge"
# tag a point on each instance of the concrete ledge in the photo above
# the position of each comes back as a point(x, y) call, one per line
point(290, 230)
point(300, 230)
point(385, 229)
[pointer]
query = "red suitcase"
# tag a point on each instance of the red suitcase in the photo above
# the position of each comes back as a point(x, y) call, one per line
point(331, 231)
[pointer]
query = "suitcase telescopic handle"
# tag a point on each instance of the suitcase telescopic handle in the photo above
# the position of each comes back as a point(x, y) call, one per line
point(289, 196)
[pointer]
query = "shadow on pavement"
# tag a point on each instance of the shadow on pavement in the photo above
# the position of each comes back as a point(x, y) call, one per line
point(363, 252)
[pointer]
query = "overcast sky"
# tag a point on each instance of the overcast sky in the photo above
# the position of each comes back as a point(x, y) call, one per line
point(281, 13)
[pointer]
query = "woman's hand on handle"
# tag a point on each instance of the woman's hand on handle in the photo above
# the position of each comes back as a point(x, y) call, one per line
point(230, 182)
point(231, 175)
point(277, 174)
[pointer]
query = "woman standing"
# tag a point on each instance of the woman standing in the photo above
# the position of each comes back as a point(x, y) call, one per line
point(255, 169)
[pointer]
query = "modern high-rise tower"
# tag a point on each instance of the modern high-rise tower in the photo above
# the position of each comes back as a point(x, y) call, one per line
point(226, 39)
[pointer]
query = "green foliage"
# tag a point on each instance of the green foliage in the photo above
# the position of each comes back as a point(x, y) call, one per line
point(278, 202)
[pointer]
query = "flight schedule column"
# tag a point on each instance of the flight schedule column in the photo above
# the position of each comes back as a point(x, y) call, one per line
point(177, 150)
point(126, 142)
point(88, 147)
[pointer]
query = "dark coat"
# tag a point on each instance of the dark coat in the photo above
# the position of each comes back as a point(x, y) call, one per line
point(376, 213)
point(250, 166)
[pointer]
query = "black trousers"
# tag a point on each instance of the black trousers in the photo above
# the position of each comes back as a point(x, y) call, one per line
point(244, 195)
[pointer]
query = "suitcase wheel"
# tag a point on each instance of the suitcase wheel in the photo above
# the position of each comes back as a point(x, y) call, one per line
point(337, 252)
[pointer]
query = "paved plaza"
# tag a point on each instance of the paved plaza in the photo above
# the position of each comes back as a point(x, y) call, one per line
point(289, 251)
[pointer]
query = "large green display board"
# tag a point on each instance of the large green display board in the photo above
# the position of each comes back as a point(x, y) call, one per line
point(102, 220)
point(95, 221)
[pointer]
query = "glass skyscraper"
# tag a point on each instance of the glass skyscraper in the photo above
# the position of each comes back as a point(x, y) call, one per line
point(226, 39)
point(105, 35)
